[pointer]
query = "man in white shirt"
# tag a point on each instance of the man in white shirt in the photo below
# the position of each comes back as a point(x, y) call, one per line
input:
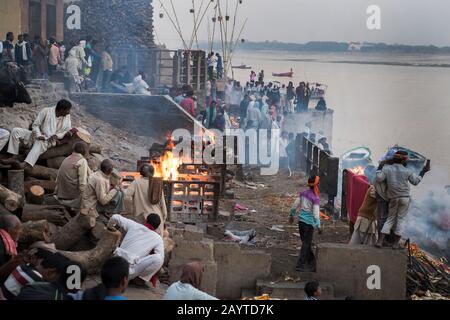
point(140, 85)
point(142, 247)
point(51, 125)
point(4, 138)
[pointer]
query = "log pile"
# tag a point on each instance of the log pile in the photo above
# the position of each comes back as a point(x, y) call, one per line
point(81, 238)
point(32, 184)
point(29, 194)
point(427, 278)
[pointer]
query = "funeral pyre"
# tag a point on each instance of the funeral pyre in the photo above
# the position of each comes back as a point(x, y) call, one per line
point(428, 278)
point(192, 191)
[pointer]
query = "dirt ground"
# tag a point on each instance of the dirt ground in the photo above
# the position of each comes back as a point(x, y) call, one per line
point(269, 199)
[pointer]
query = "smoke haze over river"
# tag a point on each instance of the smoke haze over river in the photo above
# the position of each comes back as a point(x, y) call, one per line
point(379, 100)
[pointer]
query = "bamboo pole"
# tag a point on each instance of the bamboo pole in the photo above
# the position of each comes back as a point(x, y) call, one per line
point(238, 39)
point(174, 25)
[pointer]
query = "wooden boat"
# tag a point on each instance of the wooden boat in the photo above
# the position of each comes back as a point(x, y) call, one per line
point(286, 74)
point(357, 154)
point(356, 157)
point(359, 161)
point(242, 66)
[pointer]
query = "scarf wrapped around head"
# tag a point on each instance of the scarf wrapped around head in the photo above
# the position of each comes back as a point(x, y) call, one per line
point(192, 273)
point(8, 242)
point(315, 184)
point(155, 189)
point(401, 155)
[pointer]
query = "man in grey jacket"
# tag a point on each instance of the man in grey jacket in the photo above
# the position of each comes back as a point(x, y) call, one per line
point(397, 178)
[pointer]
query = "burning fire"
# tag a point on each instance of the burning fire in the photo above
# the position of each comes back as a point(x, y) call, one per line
point(168, 164)
point(359, 171)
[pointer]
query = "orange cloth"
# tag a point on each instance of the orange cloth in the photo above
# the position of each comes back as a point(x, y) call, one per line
point(315, 184)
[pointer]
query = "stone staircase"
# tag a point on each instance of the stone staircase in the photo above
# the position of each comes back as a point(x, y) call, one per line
point(45, 93)
point(289, 290)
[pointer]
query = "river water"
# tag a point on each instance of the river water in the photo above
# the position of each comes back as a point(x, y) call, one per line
point(379, 99)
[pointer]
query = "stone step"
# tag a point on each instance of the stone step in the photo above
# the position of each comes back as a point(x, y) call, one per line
point(292, 290)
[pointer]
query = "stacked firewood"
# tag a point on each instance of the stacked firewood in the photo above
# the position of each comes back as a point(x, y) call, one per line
point(427, 277)
point(29, 194)
point(118, 23)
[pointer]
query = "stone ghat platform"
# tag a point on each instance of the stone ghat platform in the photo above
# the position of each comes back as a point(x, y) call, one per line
point(234, 272)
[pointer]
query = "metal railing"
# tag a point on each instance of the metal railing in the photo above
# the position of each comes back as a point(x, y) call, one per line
point(314, 161)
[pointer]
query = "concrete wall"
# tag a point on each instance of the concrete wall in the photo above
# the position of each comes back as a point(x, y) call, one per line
point(320, 121)
point(238, 269)
point(152, 116)
point(228, 269)
point(346, 267)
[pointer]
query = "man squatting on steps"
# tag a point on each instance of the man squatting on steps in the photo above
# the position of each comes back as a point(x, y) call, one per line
point(142, 247)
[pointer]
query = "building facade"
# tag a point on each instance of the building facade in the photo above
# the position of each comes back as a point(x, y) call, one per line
point(43, 18)
point(119, 23)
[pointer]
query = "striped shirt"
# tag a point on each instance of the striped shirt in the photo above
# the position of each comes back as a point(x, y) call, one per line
point(20, 277)
point(309, 203)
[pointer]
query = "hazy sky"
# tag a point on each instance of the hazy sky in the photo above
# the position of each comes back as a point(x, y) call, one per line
point(402, 21)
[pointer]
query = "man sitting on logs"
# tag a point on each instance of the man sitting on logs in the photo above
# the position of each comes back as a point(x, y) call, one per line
point(73, 177)
point(100, 195)
point(51, 126)
point(147, 195)
point(142, 247)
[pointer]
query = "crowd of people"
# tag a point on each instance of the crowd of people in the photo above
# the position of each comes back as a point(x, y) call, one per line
point(40, 58)
point(40, 271)
point(88, 65)
point(382, 215)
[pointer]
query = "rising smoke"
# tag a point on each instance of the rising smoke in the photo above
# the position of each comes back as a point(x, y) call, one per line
point(428, 220)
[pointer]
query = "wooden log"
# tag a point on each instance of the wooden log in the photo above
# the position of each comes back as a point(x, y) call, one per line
point(48, 185)
point(97, 232)
point(65, 150)
point(57, 215)
point(36, 195)
point(73, 231)
point(95, 148)
point(59, 151)
point(93, 259)
point(55, 163)
point(3, 210)
point(44, 173)
point(9, 199)
point(16, 180)
point(33, 231)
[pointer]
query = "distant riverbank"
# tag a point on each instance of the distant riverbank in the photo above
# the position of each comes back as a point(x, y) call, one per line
point(334, 47)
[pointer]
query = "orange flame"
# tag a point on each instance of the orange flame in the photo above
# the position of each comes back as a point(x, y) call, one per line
point(359, 171)
point(168, 164)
